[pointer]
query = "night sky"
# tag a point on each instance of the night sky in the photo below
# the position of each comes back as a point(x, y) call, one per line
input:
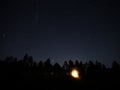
point(60, 30)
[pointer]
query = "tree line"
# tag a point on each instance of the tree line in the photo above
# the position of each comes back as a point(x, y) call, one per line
point(30, 73)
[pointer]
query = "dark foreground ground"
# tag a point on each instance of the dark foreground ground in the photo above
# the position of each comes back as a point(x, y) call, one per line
point(55, 84)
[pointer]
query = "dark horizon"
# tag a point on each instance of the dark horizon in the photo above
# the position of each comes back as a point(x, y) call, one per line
point(52, 62)
point(27, 74)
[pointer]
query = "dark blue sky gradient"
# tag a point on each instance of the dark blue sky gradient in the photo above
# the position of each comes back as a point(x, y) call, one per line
point(61, 30)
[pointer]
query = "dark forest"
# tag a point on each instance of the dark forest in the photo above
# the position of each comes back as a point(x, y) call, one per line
point(29, 74)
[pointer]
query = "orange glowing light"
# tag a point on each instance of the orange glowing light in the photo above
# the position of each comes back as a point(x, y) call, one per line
point(75, 73)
